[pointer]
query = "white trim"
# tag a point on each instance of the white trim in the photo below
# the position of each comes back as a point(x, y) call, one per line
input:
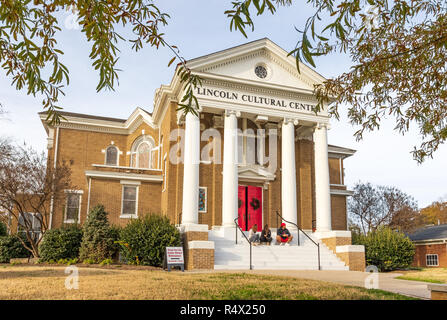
point(125, 216)
point(200, 244)
point(123, 176)
point(129, 182)
point(89, 191)
point(349, 248)
point(74, 191)
point(333, 234)
point(122, 167)
point(339, 192)
point(193, 228)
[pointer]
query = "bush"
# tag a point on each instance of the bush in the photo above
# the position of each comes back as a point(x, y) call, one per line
point(144, 240)
point(386, 249)
point(11, 247)
point(98, 239)
point(3, 229)
point(61, 243)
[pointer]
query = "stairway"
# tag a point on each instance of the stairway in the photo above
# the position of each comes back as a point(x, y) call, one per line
point(229, 255)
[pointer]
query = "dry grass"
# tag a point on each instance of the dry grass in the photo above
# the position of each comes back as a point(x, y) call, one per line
point(48, 282)
point(433, 275)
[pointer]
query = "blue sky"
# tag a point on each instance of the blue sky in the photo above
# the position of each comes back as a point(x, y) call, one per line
point(199, 27)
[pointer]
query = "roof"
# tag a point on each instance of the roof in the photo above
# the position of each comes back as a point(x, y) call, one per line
point(86, 116)
point(436, 232)
point(340, 151)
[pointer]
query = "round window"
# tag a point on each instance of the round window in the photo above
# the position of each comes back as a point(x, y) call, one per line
point(261, 72)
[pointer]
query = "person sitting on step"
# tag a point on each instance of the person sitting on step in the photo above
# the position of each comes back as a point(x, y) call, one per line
point(283, 236)
point(253, 237)
point(266, 235)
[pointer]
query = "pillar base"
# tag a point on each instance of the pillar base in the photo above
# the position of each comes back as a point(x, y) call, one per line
point(340, 243)
point(199, 251)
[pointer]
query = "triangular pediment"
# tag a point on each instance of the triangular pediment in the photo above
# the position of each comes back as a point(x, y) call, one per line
point(255, 173)
point(240, 63)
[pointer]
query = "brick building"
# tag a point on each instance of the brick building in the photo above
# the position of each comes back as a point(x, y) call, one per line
point(255, 148)
point(431, 246)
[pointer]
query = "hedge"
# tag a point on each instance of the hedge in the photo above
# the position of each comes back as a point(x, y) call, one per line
point(61, 243)
point(144, 240)
point(386, 249)
point(11, 247)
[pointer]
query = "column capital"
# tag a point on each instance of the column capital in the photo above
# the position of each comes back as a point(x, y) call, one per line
point(232, 112)
point(322, 125)
point(290, 120)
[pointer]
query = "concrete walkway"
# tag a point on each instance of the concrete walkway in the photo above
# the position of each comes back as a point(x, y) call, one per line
point(386, 281)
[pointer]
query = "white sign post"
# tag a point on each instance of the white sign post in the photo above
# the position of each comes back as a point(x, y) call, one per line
point(174, 258)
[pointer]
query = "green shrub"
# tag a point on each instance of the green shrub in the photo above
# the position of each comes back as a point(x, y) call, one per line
point(143, 240)
point(3, 229)
point(61, 243)
point(98, 239)
point(386, 249)
point(11, 247)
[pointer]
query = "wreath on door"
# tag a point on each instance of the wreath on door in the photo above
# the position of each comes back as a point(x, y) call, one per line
point(255, 203)
point(239, 203)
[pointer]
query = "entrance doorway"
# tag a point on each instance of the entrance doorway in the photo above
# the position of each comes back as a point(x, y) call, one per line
point(250, 207)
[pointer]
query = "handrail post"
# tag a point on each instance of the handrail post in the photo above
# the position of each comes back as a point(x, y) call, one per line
point(251, 267)
point(236, 234)
point(298, 237)
point(319, 262)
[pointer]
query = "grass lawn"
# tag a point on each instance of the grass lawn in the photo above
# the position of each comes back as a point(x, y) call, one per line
point(433, 275)
point(48, 282)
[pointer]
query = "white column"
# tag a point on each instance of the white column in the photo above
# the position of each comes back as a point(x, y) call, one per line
point(190, 206)
point(230, 170)
point(322, 187)
point(288, 173)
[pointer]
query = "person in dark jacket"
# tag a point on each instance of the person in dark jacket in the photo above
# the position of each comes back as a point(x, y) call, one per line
point(266, 235)
point(283, 236)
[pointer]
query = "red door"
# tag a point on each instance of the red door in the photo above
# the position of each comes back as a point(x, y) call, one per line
point(242, 209)
point(249, 207)
point(254, 207)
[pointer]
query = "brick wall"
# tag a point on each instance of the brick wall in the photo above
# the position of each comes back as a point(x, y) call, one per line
point(423, 250)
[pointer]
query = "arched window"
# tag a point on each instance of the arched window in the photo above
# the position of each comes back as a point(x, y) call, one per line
point(141, 153)
point(112, 156)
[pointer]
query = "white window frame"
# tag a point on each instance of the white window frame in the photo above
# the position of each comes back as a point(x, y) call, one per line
point(76, 192)
point(32, 214)
point(117, 156)
point(152, 149)
point(130, 184)
point(437, 260)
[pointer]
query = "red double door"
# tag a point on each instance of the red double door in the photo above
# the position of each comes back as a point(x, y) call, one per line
point(250, 207)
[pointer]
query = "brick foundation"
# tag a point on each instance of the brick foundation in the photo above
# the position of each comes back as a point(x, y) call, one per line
point(352, 256)
point(340, 243)
point(199, 259)
point(198, 251)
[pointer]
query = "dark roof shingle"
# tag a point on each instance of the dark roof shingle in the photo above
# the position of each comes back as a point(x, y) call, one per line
point(430, 233)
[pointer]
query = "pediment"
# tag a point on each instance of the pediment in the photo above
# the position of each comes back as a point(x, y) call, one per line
point(240, 63)
point(255, 173)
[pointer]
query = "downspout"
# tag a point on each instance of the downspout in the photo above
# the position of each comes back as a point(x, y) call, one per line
point(54, 166)
point(88, 198)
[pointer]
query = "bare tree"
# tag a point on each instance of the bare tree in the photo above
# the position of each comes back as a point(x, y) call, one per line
point(373, 206)
point(27, 187)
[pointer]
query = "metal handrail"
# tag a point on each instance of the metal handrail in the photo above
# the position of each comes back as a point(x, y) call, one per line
point(237, 227)
point(299, 229)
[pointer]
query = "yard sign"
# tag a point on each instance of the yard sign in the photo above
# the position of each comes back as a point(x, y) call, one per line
point(174, 258)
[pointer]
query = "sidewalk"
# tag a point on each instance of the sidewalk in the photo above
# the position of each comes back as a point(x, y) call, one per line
point(387, 281)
